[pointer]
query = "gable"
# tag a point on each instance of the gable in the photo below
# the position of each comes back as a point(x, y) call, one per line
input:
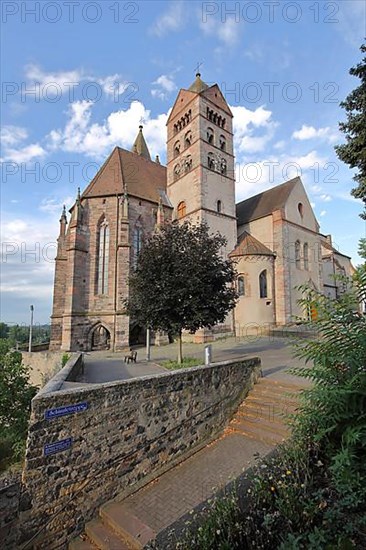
point(183, 99)
point(298, 208)
point(215, 95)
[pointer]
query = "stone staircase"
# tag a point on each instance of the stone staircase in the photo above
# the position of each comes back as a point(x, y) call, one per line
point(260, 417)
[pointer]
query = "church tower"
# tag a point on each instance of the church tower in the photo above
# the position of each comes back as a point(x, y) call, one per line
point(200, 160)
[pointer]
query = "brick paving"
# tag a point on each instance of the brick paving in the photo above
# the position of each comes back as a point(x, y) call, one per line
point(163, 501)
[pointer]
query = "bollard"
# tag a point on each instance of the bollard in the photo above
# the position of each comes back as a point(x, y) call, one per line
point(208, 354)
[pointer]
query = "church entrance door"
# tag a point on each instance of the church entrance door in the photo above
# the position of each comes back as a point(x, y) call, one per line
point(101, 338)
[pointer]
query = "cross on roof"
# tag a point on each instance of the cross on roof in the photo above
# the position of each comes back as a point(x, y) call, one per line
point(198, 68)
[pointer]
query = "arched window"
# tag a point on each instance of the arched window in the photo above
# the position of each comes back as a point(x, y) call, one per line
point(300, 208)
point(223, 167)
point(219, 206)
point(297, 255)
point(222, 143)
point(188, 139)
point(137, 243)
point(187, 163)
point(103, 258)
point(263, 284)
point(176, 149)
point(306, 256)
point(176, 171)
point(211, 162)
point(241, 286)
point(181, 209)
point(210, 135)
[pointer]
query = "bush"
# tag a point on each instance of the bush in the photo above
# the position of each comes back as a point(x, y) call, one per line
point(186, 362)
point(16, 394)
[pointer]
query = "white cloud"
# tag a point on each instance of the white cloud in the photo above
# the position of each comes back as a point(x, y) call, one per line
point(164, 85)
point(325, 198)
point(323, 213)
point(174, 19)
point(53, 205)
point(68, 82)
point(227, 32)
point(14, 150)
point(95, 140)
point(309, 132)
point(12, 135)
point(252, 129)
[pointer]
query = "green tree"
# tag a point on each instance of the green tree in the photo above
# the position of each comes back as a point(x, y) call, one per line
point(16, 394)
point(353, 152)
point(4, 330)
point(181, 281)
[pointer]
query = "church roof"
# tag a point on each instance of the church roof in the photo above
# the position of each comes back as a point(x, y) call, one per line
point(198, 85)
point(250, 246)
point(140, 146)
point(265, 203)
point(130, 172)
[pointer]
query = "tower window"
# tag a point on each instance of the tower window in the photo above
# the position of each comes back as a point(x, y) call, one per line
point(176, 149)
point(223, 167)
point(188, 139)
point(176, 171)
point(306, 256)
point(297, 255)
point(103, 258)
point(218, 206)
point(263, 293)
point(210, 135)
point(211, 162)
point(188, 163)
point(181, 209)
point(222, 143)
point(241, 286)
point(300, 208)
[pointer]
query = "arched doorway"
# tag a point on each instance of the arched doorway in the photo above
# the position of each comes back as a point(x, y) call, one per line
point(100, 338)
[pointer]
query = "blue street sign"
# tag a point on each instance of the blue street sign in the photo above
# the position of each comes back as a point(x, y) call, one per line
point(57, 447)
point(63, 411)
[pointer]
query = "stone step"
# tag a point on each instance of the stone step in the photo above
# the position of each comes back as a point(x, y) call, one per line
point(258, 432)
point(125, 524)
point(103, 537)
point(256, 415)
point(272, 426)
point(267, 397)
point(265, 408)
point(81, 544)
point(278, 385)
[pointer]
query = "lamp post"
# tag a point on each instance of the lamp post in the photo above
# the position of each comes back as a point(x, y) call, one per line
point(30, 329)
point(147, 344)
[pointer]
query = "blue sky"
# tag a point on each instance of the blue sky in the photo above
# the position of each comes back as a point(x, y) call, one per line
point(78, 77)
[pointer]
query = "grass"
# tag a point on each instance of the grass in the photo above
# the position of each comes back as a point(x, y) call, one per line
point(187, 362)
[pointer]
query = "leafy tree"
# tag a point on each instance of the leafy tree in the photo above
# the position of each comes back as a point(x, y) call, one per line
point(353, 152)
point(4, 330)
point(181, 281)
point(16, 394)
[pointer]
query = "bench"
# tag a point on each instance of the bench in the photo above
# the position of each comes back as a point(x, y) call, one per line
point(131, 357)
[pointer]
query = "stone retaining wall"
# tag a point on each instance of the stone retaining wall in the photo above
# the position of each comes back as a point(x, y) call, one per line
point(114, 435)
point(9, 511)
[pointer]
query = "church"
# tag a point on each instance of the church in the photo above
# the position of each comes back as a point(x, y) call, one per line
point(273, 237)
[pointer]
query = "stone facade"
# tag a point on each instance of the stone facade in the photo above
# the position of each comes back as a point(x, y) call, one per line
point(131, 194)
point(123, 433)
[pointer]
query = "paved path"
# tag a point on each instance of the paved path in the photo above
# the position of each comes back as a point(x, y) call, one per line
point(275, 353)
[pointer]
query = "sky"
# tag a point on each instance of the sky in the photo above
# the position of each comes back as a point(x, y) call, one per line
point(78, 78)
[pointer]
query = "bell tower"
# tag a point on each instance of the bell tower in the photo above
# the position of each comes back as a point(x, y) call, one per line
point(200, 160)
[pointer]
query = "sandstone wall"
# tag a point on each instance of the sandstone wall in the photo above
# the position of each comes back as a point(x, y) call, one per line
point(122, 432)
point(43, 365)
